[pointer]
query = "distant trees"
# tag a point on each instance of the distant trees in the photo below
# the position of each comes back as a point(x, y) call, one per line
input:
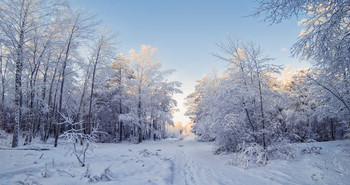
point(137, 102)
point(150, 96)
point(198, 109)
point(54, 64)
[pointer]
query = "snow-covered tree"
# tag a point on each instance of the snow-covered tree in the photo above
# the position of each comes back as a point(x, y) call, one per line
point(136, 100)
point(151, 95)
point(78, 25)
point(298, 114)
point(197, 108)
point(241, 111)
point(101, 55)
point(123, 73)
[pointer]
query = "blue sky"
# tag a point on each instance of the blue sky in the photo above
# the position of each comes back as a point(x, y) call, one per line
point(186, 32)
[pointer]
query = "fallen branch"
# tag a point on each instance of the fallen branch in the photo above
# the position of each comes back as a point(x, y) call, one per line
point(41, 156)
point(62, 171)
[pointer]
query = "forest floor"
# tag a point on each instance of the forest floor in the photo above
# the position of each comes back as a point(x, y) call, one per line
point(172, 161)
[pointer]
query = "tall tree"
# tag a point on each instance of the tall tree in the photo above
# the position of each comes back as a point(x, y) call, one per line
point(148, 81)
point(239, 110)
point(79, 25)
point(123, 73)
point(101, 53)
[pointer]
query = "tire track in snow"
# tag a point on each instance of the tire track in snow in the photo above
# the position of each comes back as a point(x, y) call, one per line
point(188, 170)
point(172, 171)
point(19, 171)
point(182, 167)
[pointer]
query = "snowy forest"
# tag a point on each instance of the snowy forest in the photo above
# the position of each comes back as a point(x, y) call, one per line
point(60, 73)
point(255, 108)
point(64, 82)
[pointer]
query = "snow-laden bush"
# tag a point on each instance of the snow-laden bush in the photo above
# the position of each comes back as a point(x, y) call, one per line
point(251, 154)
point(281, 149)
point(231, 132)
point(77, 143)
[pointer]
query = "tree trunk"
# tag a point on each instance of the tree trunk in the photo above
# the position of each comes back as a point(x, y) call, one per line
point(82, 101)
point(18, 96)
point(120, 106)
point(262, 115)
point(120, 122)
point(332, 130)
point(139, 130)
point(50, 114)
point(89, 126)
point(63, 75)
point(18, 85)
point(42, 124)
point(3, 76)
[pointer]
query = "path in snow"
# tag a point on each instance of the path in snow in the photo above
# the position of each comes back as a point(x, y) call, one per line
point(173, 162)
point(194, 163)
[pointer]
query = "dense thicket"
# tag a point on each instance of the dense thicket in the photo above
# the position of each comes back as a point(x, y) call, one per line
point(57, 65)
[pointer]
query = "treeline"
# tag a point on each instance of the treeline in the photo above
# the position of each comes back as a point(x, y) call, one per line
point(255, 111)
point(57, 64)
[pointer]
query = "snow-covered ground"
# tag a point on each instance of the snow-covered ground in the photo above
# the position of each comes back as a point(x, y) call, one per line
point(171, 161)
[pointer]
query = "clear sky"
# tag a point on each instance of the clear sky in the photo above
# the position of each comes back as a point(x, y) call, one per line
point(185, 32)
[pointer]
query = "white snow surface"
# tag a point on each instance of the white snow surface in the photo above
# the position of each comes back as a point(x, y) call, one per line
point(172, 161)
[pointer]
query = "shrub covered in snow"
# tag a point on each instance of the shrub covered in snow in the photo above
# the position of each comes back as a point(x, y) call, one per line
point(78, 143)
point(251, 154)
